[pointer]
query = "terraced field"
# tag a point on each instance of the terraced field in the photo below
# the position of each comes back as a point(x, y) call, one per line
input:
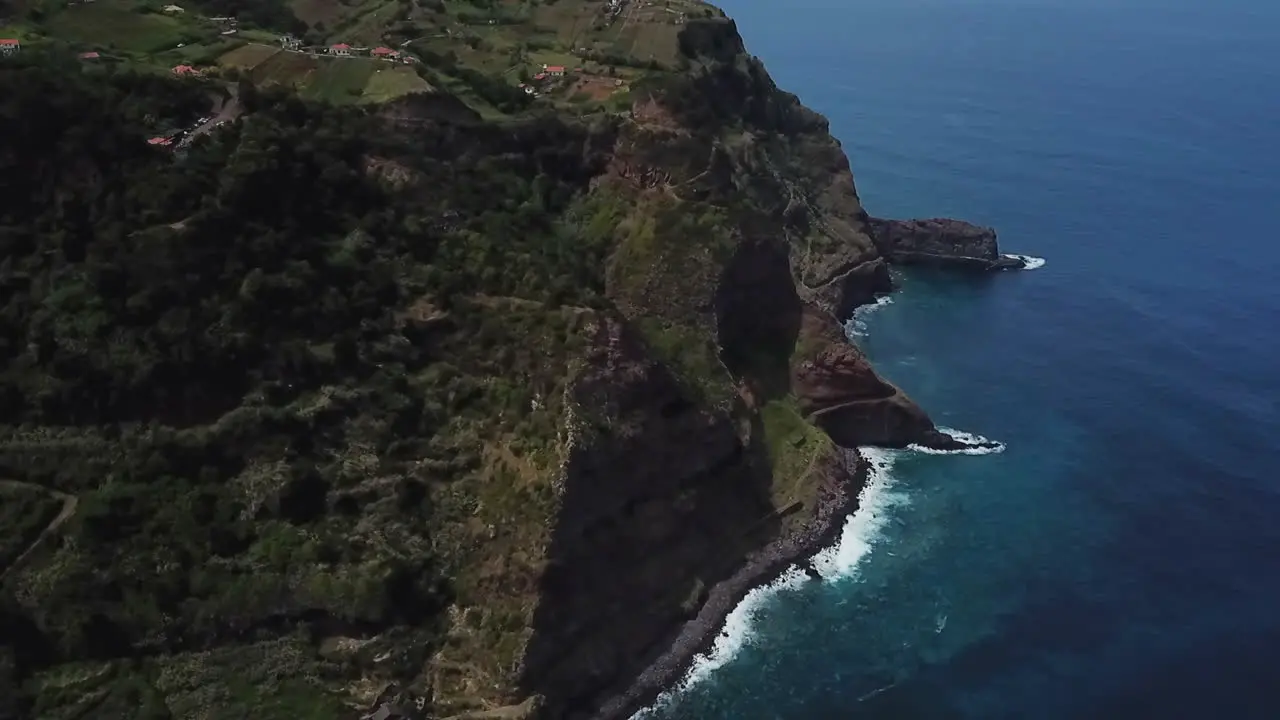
point(248, 57)
point(341, 80)
point(391, 83)
point(287, 69)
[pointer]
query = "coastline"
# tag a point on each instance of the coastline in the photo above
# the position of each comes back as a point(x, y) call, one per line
point(838, 499)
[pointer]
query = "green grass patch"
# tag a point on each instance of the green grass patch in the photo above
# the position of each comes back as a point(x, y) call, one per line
point(199, 54)
point(104, 24)
point(392, 82)
point(368, 25)
point(341, 80)
point(691, 354)
point(794, 445)
point(248, 57)
point(287, 69)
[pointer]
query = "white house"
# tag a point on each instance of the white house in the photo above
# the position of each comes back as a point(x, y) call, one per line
point(173, 9)
point(9, 46)
point(341, 49)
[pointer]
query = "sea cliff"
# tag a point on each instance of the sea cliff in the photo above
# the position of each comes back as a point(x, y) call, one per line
point(682, 493)
point(483, 402)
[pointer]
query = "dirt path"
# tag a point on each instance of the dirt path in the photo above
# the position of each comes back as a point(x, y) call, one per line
point(69, 503)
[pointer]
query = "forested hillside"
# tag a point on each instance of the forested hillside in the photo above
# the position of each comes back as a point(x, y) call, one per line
point(268, 374)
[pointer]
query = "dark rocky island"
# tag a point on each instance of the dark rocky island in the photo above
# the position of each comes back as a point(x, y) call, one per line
point(484, 402)
point(942, 242)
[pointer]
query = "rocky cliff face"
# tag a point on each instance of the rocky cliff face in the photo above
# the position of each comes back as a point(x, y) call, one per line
point(661, 500)
point(708, 419)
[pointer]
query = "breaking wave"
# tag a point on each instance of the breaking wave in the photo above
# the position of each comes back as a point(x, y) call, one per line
point(862, 530)
point(1029, 262)
point(857, 324)
point(968, 438)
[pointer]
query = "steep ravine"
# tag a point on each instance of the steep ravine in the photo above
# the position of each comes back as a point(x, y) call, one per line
point(674, 505)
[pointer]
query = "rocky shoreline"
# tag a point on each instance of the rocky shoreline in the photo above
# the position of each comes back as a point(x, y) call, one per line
point(845, 478)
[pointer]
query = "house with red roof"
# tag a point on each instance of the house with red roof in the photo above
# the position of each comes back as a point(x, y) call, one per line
point(341, 49)
point(9, 46)
point(89, 55)
point(160, 142)
point(553, 70)
point(385, 52)
point(182, 70)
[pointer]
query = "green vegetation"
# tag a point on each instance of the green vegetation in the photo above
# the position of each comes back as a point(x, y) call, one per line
point(387, 84)
point(25, 511)
point(341, 80)
point(109, 24)
point(284, 408)
point(794, 446)
point(290, 401)
point(249, 56)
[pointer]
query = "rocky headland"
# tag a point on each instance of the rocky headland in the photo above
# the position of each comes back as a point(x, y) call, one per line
point(943, 242)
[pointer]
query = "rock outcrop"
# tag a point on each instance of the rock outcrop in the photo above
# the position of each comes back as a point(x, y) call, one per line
point(842, 394)
point(940, 241)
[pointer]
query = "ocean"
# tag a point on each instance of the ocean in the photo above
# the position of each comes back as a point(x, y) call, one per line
point(1120, 557)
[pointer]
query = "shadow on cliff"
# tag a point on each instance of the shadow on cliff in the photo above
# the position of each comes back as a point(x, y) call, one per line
point(662, 500)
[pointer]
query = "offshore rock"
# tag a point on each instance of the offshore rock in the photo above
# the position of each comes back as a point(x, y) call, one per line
point(940, 241)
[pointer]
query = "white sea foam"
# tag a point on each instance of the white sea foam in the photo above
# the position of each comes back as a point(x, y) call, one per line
point(857, 325)
point(736, 634)
point(964, 437)
point(1029, 262)
point(862, 530)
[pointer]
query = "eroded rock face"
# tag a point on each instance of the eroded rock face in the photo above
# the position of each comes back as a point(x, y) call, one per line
point(842, 394)
point(660, 502)
point(940, 241)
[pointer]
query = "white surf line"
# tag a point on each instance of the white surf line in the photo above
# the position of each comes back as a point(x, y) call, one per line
point(968, 438)
point(1029, 262)
point(862, 531)
point(856, 326)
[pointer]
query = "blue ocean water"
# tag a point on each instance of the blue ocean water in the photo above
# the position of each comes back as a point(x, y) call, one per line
point(1121, 558)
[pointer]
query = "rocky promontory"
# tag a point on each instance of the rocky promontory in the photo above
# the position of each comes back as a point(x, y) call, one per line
point(942, 242)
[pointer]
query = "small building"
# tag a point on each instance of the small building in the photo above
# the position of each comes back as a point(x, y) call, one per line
point(89, 56)
point(554, 70)
point(9, 46)
point(160, 142)
point(186, 71)
point(173, 10)
point(540, 76)
point(385, 52)
point(289, 42)
point(341, 49)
